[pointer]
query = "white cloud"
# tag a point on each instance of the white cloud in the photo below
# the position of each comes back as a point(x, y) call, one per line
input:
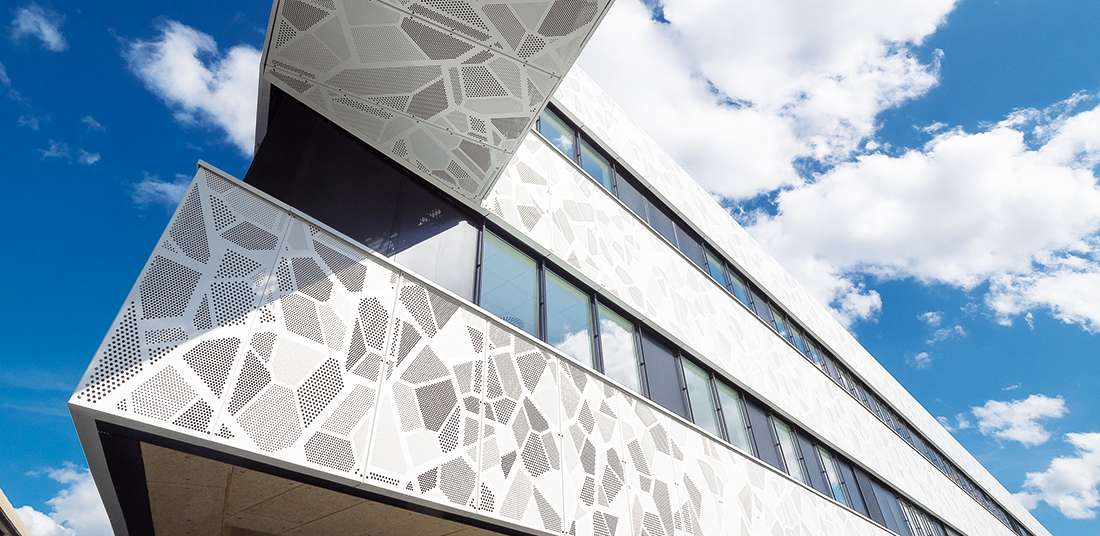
point(1011, 387)
point(185, 68)
point(86, 158)
point(58, 149)
point(1016, 205)
point(29, 120)
point(943, 334)
point(922, 360)
point(751, 93)
point(92, 123)
point(76, 510)
point(748, 88)
point(152, 190)
point(932, 318)
point(1070, 483)
point(961, 422)
point(4, 79)
point(45, 24)
point(1018, 420)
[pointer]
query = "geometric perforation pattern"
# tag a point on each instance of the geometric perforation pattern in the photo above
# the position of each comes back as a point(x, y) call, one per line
point(446, 86)
point(433, 402)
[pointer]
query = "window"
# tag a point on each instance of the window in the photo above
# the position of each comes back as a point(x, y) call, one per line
point(661, 222)
point(700, 396)
point(717, 270)
point(690, 247)
point(618, 350)
point(595, 165)
point(785, 441)
point(662, 373)
point(779, 322)
point(832, 475)
point(733, 418)
point(509, 284)
point(559, 133)
point(798, 338)
point(631, 196)
point(568, 319)
point(740, 291)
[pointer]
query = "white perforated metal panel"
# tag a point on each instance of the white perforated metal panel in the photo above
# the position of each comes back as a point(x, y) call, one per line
point(449, 87)
point(342, 366)
point(168, 355)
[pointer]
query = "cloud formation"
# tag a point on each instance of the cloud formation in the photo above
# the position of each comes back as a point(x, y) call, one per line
point(747, 90)
point(86, 158)
point(1070, 483)
point(1016, 205)
point(76, 510)
point(202, 84)
point(92, 124)
point(58, 149)
point(1018, 420)
point(152, 190)
point(781, 101)
point(43, 23)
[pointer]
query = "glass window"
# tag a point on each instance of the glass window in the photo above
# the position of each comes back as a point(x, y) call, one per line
point(690, 247)
point(760, 305)
point(785, 437)
point(595, 165)
point(779, 322)
point(661, 222)
point(733, 418)
point(797, 337)
point(737, 286)
point(763, 435)
point(568, 319)
point(833, 476)
point(717, 270)
point(813, 353)
point(509, 284)
point(700, 396)
point(663, 376)
point(558, 133)
point(631, 196)
point(617, 347)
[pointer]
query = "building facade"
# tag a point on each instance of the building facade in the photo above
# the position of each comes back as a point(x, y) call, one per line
point(460, 291)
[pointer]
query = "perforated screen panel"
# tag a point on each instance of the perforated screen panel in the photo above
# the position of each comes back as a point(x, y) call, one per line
point(447, 87)
point(338, 365)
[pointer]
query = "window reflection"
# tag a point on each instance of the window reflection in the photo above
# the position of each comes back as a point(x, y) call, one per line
point(509, 285)
point(699, 395)
point(737, 432)
point(716, 270)
point(617, 346)
point(568, 319)
point(833, 476)
point(557, 132)
point(595, 165)
point(787, 448)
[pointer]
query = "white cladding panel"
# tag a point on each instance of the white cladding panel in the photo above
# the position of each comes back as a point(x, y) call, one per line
point(256, 331)
point(447, 87)
point(585, 102)
point(608, 245)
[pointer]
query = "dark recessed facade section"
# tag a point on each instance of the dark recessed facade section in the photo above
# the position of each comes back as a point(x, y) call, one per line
point(315, 166)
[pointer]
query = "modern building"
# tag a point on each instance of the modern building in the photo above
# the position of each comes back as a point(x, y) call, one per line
point(459, 291)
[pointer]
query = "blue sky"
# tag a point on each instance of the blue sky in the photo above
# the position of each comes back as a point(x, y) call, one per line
point(927, 167)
